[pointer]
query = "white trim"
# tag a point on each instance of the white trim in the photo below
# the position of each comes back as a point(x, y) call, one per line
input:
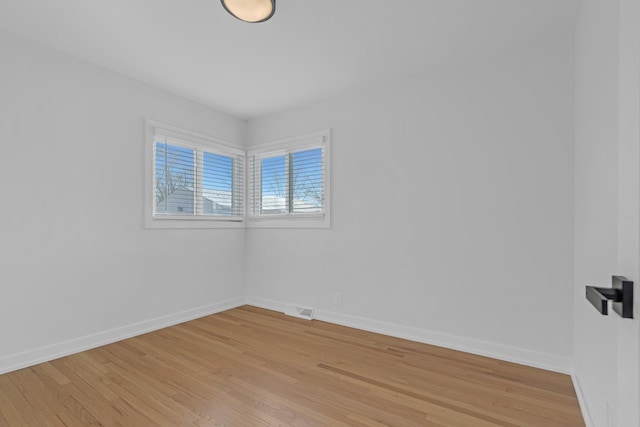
point(21, 360)
point(318, 221)
point(289, 217)
point(43, 354)
point(308, 140)
point(507, 353)
point(582, 400)
point(321, 139)
point(267, 304)
point(198, 218)
point(194, 139)
point(213, 145)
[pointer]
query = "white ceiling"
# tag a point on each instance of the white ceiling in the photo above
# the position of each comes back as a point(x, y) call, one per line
point(310, 49)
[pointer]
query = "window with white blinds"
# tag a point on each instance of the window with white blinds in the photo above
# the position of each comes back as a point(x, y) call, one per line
point(194, 177)
point(288, 182)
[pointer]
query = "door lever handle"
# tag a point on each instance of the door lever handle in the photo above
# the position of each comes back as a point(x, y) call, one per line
point(621, 295)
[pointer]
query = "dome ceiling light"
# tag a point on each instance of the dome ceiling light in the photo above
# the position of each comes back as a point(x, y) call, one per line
point(250, 10)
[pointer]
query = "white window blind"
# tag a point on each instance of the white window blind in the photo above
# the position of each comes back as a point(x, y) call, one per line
point(289, 179)
point(195, 178)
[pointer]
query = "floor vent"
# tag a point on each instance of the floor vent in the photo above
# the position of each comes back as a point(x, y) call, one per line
point(298, 311)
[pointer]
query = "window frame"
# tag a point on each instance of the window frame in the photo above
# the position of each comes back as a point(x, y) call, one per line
point(287, 146)
point(190, 140)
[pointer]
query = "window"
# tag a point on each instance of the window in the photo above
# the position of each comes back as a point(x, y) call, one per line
point(193, 180)
point(289, 183)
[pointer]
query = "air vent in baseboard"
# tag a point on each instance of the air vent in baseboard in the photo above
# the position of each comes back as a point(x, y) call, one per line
point(299, 311)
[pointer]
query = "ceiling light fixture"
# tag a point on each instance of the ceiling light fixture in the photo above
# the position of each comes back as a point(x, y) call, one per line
point(250, 10)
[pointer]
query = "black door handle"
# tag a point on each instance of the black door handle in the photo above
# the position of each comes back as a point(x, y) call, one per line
point(621, 295)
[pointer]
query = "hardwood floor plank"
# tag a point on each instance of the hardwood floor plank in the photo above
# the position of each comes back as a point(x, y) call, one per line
point(20, 408)
point(31, 387)
point(8, 410)
point(254, 367)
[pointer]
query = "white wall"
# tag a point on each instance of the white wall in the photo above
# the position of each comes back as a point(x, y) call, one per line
point(452, 195)
point(607, 215)
point(75, 261)
point(468, 169)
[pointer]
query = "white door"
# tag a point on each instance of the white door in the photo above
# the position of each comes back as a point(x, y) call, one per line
point(607, 207)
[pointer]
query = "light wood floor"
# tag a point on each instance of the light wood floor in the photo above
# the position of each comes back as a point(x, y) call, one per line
point(252, 367)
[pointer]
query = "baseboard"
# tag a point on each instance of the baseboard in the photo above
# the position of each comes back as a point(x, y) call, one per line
point(582, 400)
point(507, 353)
point(484, 348)
point(44, 354)
point(267, 304)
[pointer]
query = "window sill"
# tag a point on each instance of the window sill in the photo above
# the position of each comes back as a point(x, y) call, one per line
point(196, 223)
point(290, 221)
